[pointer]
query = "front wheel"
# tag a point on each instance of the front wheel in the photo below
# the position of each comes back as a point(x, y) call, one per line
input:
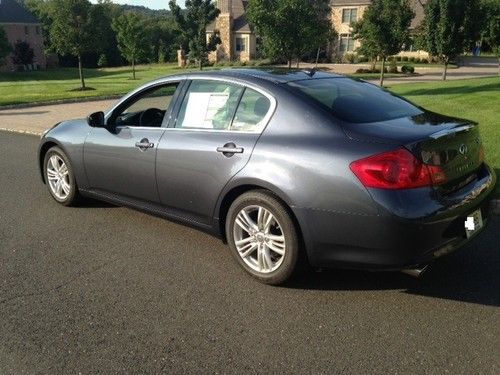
point(59, 177)
point(263, 237)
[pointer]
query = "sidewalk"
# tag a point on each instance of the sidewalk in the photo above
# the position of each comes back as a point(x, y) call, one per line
point(35, 120)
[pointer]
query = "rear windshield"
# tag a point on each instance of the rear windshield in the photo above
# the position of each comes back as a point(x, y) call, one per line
point(356, 101)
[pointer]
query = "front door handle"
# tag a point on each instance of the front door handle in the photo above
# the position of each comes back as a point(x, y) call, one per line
point(229, 149)
point(144, 144)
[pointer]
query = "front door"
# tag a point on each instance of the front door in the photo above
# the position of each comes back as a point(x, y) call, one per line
point(211, 140)
point(120, 159)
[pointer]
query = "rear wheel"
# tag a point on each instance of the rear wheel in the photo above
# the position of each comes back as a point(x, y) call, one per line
point(263, 237)
point(59, 177)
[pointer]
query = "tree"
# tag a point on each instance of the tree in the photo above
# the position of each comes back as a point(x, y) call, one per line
point(192, 23)
point(22, 53)
point(72, 31)
point(491, 30)
point(132, 36)
point(384, 29)
point(449, 28)
point(290, 28)
point(4, 46)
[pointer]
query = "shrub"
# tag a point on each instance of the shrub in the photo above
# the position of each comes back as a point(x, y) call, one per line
point(393, 68)
point(407, 69)
point(349, 58)
point(404, 58)
point(363, 70)
point(363, 59)
point(424, 61)
point(398, 58)
point(411, 59)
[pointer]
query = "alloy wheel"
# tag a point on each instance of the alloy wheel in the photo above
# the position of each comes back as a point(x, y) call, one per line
point(58, 177)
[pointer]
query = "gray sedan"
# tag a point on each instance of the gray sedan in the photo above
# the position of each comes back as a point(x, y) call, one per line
point(291, 168)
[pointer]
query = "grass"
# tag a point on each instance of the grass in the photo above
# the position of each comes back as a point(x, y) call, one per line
point(474, 99)
point(51, 85)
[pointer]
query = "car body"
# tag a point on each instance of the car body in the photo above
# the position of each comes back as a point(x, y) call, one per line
point(298, 147)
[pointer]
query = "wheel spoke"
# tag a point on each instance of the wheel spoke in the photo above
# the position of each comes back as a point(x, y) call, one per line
point(276, 244)
point(55, 163)
point(51, 174)
point(58, 187)
point(63, 170)
point(245, 222)
point(248, 249)
point(244, 241)
point(267, 258)
point(65, 187)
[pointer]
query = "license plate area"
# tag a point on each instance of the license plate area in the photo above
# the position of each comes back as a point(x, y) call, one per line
point(473, 223)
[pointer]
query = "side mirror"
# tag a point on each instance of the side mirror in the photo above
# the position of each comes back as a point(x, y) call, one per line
point(96, 120)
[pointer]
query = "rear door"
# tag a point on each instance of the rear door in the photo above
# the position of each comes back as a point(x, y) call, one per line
point(210, 140)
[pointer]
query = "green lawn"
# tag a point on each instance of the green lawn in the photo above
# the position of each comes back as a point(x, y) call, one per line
point(475, 99)
point(49, 85)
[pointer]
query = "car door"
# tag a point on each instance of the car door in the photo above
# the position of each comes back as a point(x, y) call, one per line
point(120, 158)
point(209, 141)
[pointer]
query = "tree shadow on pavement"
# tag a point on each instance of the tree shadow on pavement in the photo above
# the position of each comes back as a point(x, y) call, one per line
point(462, 90)
point(472, 274)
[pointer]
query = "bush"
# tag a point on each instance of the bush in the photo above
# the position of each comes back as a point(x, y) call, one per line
point(393, 68)
point(363, 70)
point(404, 58)
point(411, 59)
point(363, 59)
point(424, 61)
point(349, 58)
point(407, 69)
point(398, 58)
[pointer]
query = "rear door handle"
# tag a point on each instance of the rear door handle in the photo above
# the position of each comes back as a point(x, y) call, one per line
point(229, 149)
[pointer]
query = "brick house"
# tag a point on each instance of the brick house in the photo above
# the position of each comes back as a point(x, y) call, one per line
point(20, 24)
point(346, 11)
point(239, 42)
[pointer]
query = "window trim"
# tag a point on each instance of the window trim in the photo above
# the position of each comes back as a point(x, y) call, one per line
point(265, 120)
point(111, 114)
point(350, 15)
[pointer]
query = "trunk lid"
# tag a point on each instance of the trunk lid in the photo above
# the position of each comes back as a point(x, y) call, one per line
point(454, 144)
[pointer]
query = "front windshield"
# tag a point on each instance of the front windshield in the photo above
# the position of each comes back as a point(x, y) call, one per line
point(356, 101)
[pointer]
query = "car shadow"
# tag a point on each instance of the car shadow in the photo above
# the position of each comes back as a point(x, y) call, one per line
point(472, 275)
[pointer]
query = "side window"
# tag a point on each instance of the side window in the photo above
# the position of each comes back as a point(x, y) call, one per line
point(209, 105)
point(251, 112)
point(148, 110)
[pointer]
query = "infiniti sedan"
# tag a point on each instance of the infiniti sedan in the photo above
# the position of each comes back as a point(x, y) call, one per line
point(289, 168)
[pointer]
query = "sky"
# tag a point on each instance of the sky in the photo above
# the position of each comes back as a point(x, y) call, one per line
point(153, 4)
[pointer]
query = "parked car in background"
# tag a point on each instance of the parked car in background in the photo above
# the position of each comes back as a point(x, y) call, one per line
point(288, 167)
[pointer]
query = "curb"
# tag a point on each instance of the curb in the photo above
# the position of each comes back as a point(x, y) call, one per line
point(62, 101)
point(28, 132)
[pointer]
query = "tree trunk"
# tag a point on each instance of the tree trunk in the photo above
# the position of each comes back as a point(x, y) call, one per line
point(298, 63)
point(200, 64)
point(317, 57)
point(445, 70)
point(80, 71)
point(382, 72)
point(133, 68)
point(373, 64)
point(289, 63)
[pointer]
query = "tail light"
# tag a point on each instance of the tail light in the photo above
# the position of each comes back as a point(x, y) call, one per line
point(398, 169)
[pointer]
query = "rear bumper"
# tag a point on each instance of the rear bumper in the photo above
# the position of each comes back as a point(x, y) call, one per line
point(413, 227)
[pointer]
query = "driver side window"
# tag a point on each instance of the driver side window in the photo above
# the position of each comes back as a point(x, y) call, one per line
point(148, 109)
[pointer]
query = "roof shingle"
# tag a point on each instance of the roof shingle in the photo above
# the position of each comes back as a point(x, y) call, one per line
point(12, 12)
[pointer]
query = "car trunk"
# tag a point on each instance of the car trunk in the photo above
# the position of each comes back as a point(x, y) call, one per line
point(453, 144)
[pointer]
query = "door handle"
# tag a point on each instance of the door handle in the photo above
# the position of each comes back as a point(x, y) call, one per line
point(144, 144)
point(229, 149)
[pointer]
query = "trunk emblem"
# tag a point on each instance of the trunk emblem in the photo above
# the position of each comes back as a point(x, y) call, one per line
point(463, 149)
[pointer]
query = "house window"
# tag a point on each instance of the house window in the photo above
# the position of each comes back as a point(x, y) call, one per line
point(26, 30)
point(241, 45)
point(346, 43)
point(349, 15)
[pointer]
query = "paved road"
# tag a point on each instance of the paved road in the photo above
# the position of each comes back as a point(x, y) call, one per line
point(107, 289)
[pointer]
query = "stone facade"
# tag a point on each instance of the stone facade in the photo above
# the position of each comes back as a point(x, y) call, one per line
point(238, 42)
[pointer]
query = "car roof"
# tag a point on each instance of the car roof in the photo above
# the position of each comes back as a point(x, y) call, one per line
point(276, 75)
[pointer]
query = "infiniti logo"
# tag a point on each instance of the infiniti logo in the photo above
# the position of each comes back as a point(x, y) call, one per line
point(462, 149)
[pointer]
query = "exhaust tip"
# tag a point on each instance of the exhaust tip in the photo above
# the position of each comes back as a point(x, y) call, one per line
point(415, 272)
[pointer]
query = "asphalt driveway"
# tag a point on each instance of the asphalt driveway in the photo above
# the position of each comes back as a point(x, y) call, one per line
point(107, 289)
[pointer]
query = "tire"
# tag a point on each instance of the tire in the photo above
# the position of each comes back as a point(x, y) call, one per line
point(268, 249)
point(64, 193)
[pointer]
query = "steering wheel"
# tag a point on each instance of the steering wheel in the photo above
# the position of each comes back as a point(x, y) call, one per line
point(151, 117)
